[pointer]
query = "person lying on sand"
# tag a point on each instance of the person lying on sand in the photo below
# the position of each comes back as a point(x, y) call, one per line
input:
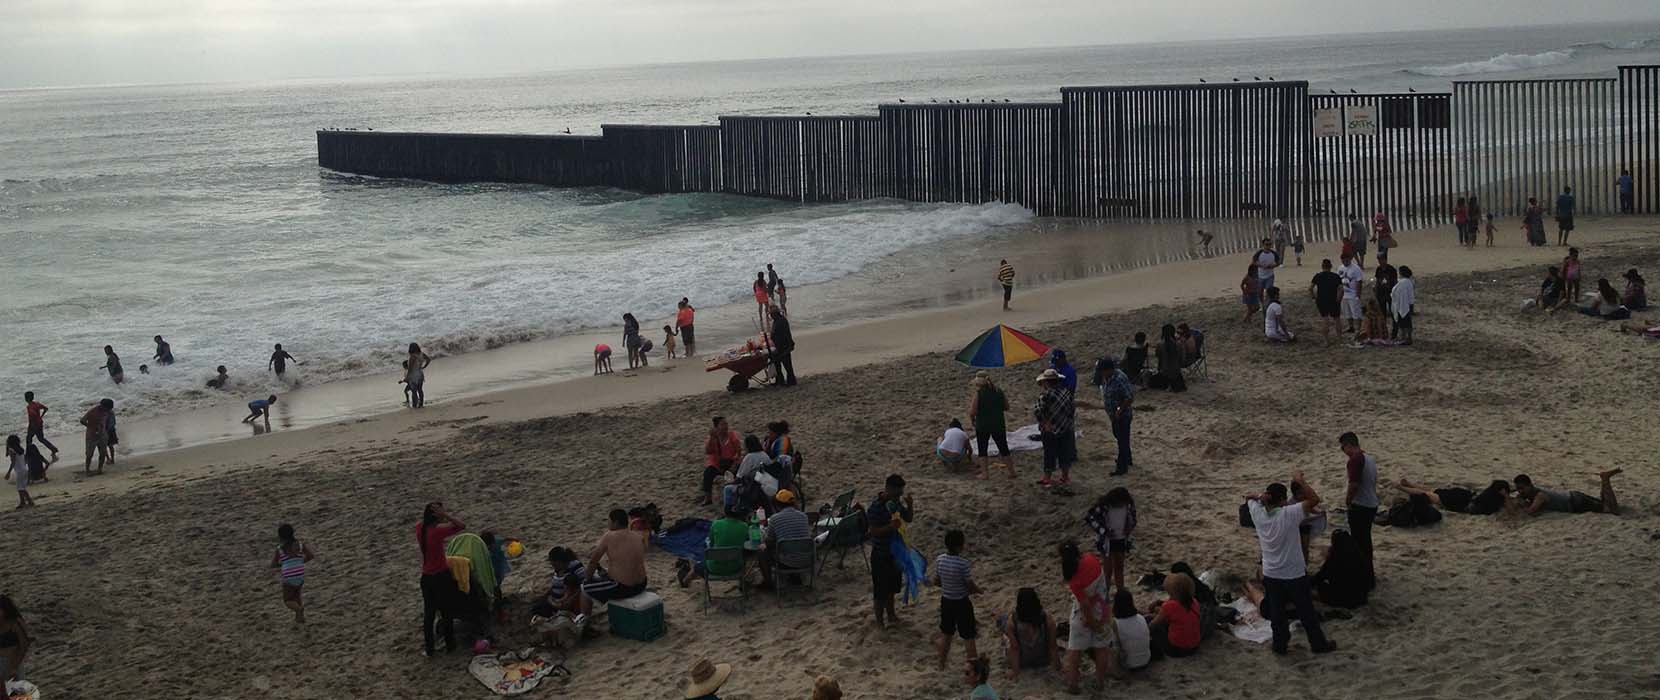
point(1536, 500)
point(1493, 499)
point(1647, 329)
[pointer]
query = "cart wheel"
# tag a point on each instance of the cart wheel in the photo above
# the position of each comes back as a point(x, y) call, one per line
point(737, 383)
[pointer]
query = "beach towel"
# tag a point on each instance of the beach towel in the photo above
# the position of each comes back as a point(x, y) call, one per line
point(1025, 438)
point(516, 672)
point(686, 540)
point(461, 568)
point(483, 571)
point(1252, 626)
point(911, 563)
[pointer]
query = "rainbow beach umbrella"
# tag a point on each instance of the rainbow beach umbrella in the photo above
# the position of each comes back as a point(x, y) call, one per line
point(1002, 346)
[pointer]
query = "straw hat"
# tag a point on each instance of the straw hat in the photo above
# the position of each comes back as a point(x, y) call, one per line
point(706, 678)
point(826, 688)
point(1049, 375)
point(981, 378)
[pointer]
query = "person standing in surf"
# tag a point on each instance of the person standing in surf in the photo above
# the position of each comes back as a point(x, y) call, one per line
point(164, 352)
point(763, 298)
point(415, 375)
point(683, 323)
point(631, 340)
point(279, 360)
point(112, 362)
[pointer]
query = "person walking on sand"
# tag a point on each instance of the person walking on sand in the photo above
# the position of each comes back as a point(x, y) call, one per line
point(37, 423)
point(1624, 185)
point(683, 323)
point(1564, 215)
point(416, 375)
point(96, 422)
point(164, 352)
point(260, 408)
point(1361, 499)
point(1250, 293)
point(289, 562)
point(1005, 277)
point(783, 343)
point(1472, 209)
point(112, 363)
point(763, 298)
point(631, 339)
point(1327, 290)
point(279, 361)
point(1384, 234)
point(1282, 238)
point(1357, 237)
point(1284, 571)
point(17, 469)
point(437, 585)
point(1265, 260)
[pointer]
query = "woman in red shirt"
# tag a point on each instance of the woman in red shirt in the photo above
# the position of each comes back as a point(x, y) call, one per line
point(437, 586)
point(1175, 625)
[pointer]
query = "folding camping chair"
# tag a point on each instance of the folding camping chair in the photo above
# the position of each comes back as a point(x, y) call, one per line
point(724, 555)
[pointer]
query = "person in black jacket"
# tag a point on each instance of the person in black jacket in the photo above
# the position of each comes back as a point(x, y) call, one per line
point(783, 371)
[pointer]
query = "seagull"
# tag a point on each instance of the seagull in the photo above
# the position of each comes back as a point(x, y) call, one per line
point(1333, 92)
point(809, 114)
point(1201, 80)
point(1236, 80)
point(901, 100)
point(1256, 77)
point(933, 101)
point(1410, 90)
point(567, 130)
point(1270, 77)
point(1005, 99)
point(1354, 91)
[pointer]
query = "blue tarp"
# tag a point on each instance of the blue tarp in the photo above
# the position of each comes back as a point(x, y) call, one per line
point(687, 542)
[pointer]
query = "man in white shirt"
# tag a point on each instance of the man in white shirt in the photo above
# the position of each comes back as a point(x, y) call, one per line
point(1284, 572)
point(1265, 261)
point(1273, 321)
point(1352, 278)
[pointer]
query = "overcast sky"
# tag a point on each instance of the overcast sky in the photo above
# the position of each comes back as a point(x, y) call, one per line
point(81, 42)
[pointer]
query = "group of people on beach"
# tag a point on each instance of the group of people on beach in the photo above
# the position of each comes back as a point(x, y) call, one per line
point(26, 464)
point(1561, 289)
point(772, 321)
point(1386, 318)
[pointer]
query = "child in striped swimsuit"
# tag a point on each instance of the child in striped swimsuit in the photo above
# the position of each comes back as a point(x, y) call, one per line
point(289, 561)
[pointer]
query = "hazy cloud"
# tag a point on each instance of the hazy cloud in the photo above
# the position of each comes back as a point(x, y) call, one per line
point(59, 42)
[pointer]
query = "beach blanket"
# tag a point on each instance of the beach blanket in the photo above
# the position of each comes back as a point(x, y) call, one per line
point(472, 547)
point(1025, 438)
point(1252, 626)
point(515, 672)
point(687, 540)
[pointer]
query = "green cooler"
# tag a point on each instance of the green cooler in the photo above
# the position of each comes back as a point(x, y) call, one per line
point(639, 618)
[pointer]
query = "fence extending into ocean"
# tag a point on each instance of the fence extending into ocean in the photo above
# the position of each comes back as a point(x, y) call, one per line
point(1164, 152)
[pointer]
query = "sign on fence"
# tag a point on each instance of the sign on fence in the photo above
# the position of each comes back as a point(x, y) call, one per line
point(1360, 120)
point(1328, 123)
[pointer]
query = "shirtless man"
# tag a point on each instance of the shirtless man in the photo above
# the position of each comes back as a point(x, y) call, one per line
point(625, 556)
point(1536, 500)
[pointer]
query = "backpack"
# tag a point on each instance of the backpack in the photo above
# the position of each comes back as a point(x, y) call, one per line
point(748, 496)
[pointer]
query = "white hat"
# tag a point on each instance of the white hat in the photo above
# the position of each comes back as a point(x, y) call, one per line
point(1049, 375)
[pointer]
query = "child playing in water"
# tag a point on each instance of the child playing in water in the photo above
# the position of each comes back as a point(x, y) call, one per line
point(1297, 248)
point(260, 408)
point(405, 382)
point(1250, 293)
point(289, 561)
point(668, 341)
point(221, 380)
point(602, 359)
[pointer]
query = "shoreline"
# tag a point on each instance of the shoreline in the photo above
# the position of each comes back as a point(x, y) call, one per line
point(941, 328)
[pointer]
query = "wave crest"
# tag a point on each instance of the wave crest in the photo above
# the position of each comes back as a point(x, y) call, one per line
point(1502, 63)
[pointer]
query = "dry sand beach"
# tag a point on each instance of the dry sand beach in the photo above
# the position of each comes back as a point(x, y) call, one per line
point(150, 581)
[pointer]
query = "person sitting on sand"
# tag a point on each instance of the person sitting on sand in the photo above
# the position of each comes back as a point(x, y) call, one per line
point(1635, 296)
point(1537, 500)
point(977, 673)
point(1134, 363)
point(1131, 635)
point(1274, 325)
point(720, 451)
point(1550, 290)
point(1493, 499)
point(1607, 304)
point(1174, 626)
point(1375, 329)
point(260, 408)
point(953, 447)
point(602, 359)
point(15, 641)
point(565, 587)
point(1342, 580)
point(1029, 635)
point(755, 459)
point(625, 557)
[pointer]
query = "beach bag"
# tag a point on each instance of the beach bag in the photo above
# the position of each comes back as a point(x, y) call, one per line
point(748, 496)
point(1417, 511)
point(1245, 515)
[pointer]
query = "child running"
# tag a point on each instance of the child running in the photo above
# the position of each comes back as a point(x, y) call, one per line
point(289, 562)
point(956, 581)
point(18, 470)
point(1113, 519)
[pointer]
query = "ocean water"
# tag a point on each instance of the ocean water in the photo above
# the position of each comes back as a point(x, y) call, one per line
point(198, 212)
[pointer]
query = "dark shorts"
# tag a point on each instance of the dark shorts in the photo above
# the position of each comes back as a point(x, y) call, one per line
point(1329, 308)
point(885, 578)
point(957, 617)
point(999, 437)
point(1583, 503)
point(1565, 223)
point(686, 336)
point(1118, 546)
point(604, 589)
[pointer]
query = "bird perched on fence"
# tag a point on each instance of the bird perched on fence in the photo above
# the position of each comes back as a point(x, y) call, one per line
point(567, 130)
